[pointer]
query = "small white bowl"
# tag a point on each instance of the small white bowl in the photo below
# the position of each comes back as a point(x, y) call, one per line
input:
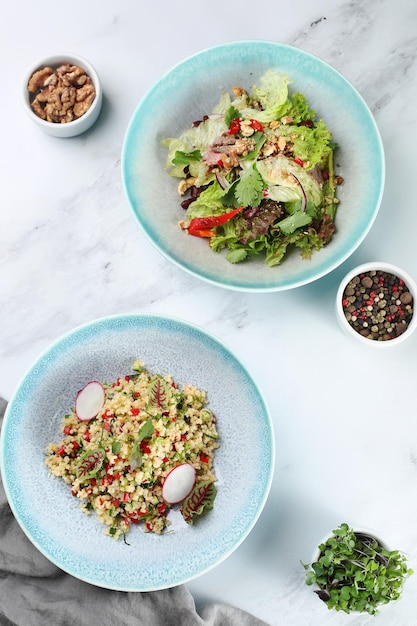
point(81, 124)
point(347, 323)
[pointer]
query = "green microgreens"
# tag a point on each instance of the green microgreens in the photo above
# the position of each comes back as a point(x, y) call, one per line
point(355, 573)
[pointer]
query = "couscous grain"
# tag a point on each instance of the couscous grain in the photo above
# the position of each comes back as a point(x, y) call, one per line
point(116, 462)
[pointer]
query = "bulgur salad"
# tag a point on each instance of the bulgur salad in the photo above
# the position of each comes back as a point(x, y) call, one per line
point(119, 458)
point(257, 174)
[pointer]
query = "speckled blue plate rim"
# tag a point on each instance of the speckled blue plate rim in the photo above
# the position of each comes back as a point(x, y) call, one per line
point(44, 362)
point(376, 183)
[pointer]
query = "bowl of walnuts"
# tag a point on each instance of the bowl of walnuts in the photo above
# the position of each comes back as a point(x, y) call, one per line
point(62, 94)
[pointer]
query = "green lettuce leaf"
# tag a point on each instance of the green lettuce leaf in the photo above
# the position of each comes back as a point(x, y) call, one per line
point(209, 202)
point(290, 224)
point(272, 95)
point(277, 170)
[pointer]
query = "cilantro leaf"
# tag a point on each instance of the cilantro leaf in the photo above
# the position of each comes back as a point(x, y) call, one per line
point(231, 114)
point(248, 190)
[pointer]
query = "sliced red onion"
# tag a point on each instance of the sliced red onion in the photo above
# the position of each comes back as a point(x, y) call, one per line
point(303, 193)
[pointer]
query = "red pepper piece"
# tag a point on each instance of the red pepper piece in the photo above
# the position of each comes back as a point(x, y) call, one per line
point(256, 125)
point(199, 232)
point(299, 161)
point(234, 127)
point(202, 226)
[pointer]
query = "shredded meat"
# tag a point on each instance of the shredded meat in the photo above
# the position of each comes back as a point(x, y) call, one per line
point(227, 149)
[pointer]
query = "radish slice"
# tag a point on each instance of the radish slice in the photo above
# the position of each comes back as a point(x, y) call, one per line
point(179, 483)
point(90, 400)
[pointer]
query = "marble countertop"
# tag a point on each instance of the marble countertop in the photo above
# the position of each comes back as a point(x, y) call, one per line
point(344, 414)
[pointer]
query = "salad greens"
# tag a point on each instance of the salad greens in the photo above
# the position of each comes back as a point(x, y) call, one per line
point(257, 174)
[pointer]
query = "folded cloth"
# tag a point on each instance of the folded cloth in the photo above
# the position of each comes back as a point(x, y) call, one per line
point(34, 592)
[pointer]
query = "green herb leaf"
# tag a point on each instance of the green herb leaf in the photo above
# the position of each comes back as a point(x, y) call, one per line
point(116, 446)
point(183, 158)
point(290, 224)
point(200, 499)
point(135, 459)
point(146, 430)
point(248, 190)
point(231, 114)
point(89, 463)
point(159, 394)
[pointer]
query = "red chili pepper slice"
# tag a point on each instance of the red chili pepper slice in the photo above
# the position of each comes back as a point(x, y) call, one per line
point(202, 226)
point(256, 125)
point(234, 126)
point(299, 161)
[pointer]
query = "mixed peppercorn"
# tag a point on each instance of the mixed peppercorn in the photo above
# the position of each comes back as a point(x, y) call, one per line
point(378, 305)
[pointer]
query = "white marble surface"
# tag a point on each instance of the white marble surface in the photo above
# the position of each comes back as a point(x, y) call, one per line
point(70, 251)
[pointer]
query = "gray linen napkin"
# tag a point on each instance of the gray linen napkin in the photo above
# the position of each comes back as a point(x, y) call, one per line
point(34, 592)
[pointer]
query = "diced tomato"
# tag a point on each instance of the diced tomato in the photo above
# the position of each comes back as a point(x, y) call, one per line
point(144, 447)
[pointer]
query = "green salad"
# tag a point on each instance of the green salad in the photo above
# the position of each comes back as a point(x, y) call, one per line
point(257, 174)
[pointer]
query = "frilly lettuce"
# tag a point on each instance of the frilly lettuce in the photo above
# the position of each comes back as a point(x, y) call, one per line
point(280, 170)
point(271, 94)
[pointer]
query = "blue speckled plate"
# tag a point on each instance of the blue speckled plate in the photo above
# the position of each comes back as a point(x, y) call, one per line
point(43, 505)
point(188, 92)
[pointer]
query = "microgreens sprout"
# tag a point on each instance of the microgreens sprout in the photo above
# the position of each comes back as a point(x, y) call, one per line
point(354, 572)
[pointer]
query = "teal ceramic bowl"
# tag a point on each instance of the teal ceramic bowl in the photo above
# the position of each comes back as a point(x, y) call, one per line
point(190, 90)
point(43, 505)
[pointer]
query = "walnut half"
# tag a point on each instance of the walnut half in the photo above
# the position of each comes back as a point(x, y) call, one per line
point(61, 95)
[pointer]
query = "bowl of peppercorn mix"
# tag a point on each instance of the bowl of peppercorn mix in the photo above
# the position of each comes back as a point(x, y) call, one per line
point(375, 304)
